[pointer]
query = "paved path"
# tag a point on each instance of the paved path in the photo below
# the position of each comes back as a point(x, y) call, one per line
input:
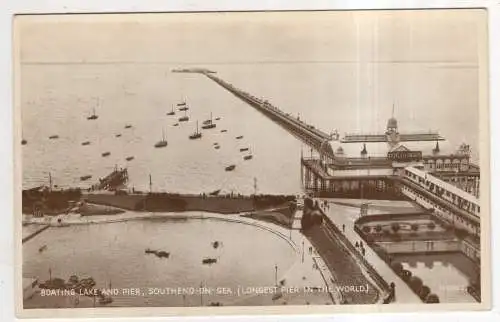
point(346, 216)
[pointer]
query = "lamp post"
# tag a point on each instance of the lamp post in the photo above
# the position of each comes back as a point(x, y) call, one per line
point(302, 251)
point(276, 274)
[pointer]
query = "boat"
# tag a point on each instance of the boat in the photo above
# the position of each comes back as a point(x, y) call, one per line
point(217, 147)
point(184, 118)
point(23, 142)
point(195, 135)
point(243, 149)
point(128, 126)
point(176, 124)
point(216, 143)
point(118, 135)
point(208, 124)
point(150, 251)
point(129, 158)
point(105, 154)
point(86, 177)
point(93, 116)
point(247, 157)
point(182, 106)
point(209, 260)
point(231, 167)
point(41, 249)
point(162, 254)
point(163, 143)
point(239, 137)
point(52, 137)
point(172, 112)
point(217, 118)
point(86, 143)
point(215, 244)
point(223, 131)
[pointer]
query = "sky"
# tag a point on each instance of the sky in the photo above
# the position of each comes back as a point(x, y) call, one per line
point(204, 38)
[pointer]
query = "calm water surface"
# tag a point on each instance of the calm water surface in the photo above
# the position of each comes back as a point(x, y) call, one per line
point(114, 253)
point(447, 275)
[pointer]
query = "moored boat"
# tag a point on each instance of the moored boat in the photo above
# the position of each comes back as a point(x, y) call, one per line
point(52, 137)
point(208, 124)
point(163, 143)
point(24, 142)
point(209, 260)
point(172, 112)
point(247, 157)
point(195, 135)
point(128, 126)
point(93, 116)
point(231, 167)
point(129, 158)
point(243, 149)
point(86, 177)
point(105, 154)
point(86, 143)
point(239, 137)
point(184, 118)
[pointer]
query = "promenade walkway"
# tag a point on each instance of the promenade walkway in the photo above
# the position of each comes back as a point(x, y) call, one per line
point(341, 215)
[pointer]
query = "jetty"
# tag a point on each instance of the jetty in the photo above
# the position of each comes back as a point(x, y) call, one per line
point(113, 180)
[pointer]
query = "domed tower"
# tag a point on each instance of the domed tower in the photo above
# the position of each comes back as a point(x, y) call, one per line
point(392, 129)
point(392, 124)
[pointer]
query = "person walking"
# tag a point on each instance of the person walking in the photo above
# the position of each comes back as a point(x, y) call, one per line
point(343, 228)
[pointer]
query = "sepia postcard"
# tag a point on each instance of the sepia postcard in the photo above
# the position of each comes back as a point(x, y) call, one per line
point(251, 162)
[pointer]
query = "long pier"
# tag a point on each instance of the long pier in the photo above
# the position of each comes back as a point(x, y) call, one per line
point(310, 135)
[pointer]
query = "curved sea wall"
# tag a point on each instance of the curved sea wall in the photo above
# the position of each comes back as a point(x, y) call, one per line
point(163, 202)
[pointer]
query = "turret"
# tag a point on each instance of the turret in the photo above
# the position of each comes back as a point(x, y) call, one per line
point(364, 152)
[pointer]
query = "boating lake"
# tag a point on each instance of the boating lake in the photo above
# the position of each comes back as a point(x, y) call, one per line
point(246, 257)
point(57, 98)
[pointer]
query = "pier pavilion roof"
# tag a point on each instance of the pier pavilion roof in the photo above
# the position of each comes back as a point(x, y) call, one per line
point(380, 149)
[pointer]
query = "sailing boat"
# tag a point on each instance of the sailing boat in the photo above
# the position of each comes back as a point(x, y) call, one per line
point(184, 118)
point(163, 143)
point(208, 124)
point(171, 112)
point(183, 106)
point(93, 116)
point(248, 156)
point(195, 135)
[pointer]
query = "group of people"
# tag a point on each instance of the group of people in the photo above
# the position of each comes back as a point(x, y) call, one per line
point(361, 247)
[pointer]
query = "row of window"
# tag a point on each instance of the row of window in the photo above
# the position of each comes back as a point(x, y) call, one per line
point(445, 194)
point(457, 219)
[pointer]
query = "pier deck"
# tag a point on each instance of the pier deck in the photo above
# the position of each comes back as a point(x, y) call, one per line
point(303, 131)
